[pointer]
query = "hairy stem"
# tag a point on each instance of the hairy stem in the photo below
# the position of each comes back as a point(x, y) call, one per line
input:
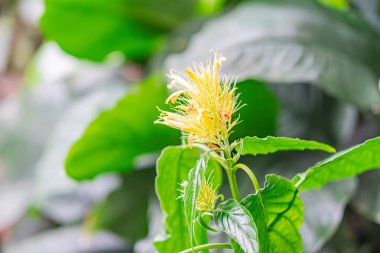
point(208, 246)
point(249, 172)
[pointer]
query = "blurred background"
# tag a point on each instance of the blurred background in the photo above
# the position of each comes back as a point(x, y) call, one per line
point(80, 81)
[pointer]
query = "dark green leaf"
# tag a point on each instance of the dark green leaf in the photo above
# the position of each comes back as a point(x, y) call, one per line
point(366, 200)
point(370, 10)
point(130, 200)
point(263, 146)
point(317, 227)
point(117, 138)
point(259, 115)
point(259, 44)
point(278, 212)
point(94, 28)
point(344, 164)
point(173, 168)
point(235, 220)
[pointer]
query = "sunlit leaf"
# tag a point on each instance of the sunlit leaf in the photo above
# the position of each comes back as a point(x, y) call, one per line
point(263, 146)
point(278, 212)
point(192, 189)
point(117, 138)
point(344, 164)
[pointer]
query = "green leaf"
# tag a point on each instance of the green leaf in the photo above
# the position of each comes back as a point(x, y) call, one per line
point(344, 164)
point(278, 212)
point(259, 115)
point(117, 138)
point(127, 202)
point(173, 167)
point(92, 29)
point(259, 44)
point(263, 146)
point(235, 220)
point(191, 191)
point(337, 4)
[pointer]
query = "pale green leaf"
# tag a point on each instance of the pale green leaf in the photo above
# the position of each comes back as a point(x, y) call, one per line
point(117, 138)
point(235, 220)
point(263, 146)
point(191, 191)
point(344, 164)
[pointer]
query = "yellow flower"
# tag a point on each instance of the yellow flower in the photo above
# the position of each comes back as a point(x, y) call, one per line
point(207, 197)
point(204, 103)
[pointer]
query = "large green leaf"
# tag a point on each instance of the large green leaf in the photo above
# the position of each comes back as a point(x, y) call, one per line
point(263, 146)
point(235, 220)
point(259, 44)
point(317, 227)
point(344, 164)
point(278, 212)
point(117, 138)
point(259, 115)
point(173, 168)
point(94, 28)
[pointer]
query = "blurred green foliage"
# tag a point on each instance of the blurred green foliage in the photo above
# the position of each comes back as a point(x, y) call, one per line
point(306, 69)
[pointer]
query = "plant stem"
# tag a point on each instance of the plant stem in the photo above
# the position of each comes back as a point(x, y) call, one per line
point(233, 184)
point(231, 174)
point(250, 174)
point(208, 246)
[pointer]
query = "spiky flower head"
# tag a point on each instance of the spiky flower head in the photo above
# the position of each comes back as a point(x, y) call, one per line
point(208, 195)
point(204, 103)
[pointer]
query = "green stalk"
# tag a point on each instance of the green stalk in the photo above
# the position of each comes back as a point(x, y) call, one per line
point(208, 246)
point(249, 172)
point(233, 184)
point(231, 174)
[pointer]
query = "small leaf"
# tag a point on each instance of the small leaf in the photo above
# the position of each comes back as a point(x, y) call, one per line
point(173, 167)
point(191, 191)
point(278, 212)
point(344, 164)
point(118, 137)
point(235, 220)
point(263, 146)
